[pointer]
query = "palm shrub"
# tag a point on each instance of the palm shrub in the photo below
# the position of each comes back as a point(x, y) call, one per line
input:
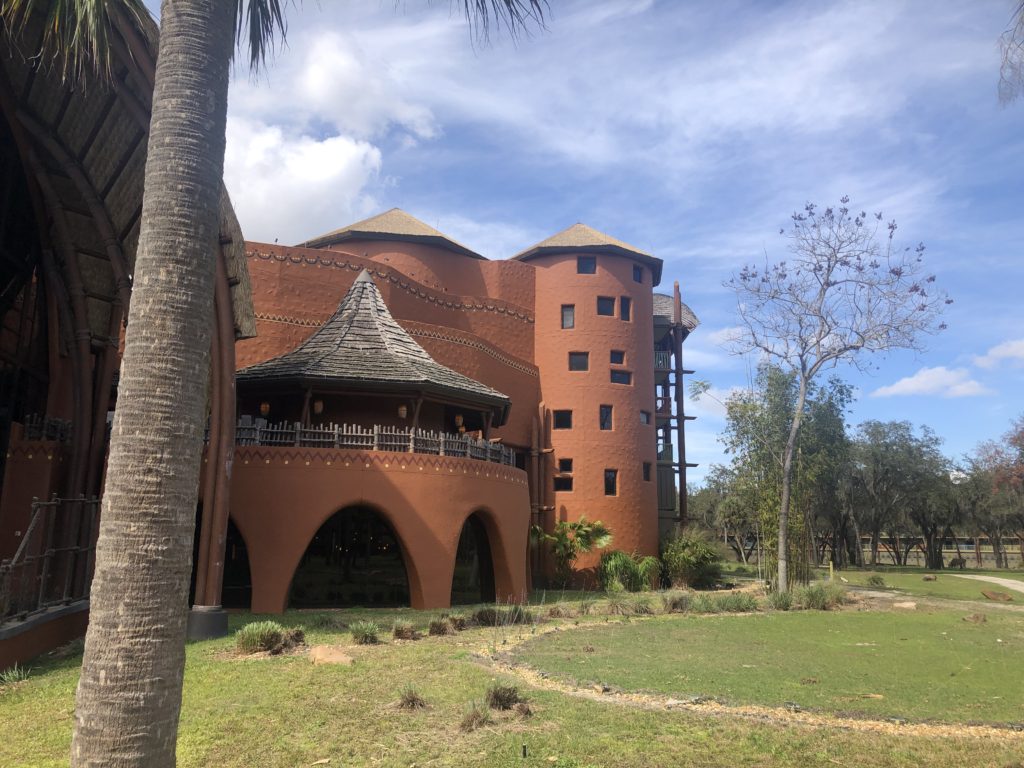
point(569, 540)
point(365, 633)
point(692, 560)
point(630, 571)
point(259, 636)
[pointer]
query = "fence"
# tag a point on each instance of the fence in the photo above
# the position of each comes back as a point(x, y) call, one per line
point(251, 431)
point(53, 564)
point(662, 360)
point(38, 427)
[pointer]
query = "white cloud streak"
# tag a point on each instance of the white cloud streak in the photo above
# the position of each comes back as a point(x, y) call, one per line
point(1011, 352)
point(941, 381)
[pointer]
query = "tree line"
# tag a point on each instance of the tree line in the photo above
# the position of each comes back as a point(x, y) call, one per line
point(886, 487)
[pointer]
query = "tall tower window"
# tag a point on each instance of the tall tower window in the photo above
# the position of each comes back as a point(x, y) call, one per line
point(618, 357)
point(621, 377)
point(647, 471)
point(625, 308)
point(568, 315)
point(586, 265)
point(561, 419)
point(579, 361)
point(638, 273)
point(565, 465)
point(606, 306)
point(606, 417)
point(645, 417)
point(611, 482)
point(563, 484)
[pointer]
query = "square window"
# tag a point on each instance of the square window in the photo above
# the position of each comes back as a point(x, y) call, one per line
point(579, 361)
point(618, 357)
point(606, 417)
point(563, 483)
point(611, 482)
point(638, 273)
point(622, 377)
point(562, 419)
point(568, 315)
point(565, 465)
point(625, 308)
point(647, 471)
point(645, 417)
point(606, 306)
point(586, 265)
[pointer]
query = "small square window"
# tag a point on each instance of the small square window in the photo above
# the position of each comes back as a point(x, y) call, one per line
point(606, 417)
point(647, 471)
point(579, 361)
point(645, 417)
point(638, 273)
point(625, 308)
point(565, 465)
point(622, 377)
point(568, 315)
point(586, 265)
point(606, 306)
point(562, 419)
point(563, 483)
point(611, 482)
point(618, 357)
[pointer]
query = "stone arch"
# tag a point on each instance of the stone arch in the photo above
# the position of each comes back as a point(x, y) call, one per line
point(355, 557)
point(473, 571)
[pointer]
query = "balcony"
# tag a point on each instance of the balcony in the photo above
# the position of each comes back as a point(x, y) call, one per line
point(662, 360)
point(375, 438)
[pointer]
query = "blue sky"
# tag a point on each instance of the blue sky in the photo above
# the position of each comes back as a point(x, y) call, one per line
point(691, 130)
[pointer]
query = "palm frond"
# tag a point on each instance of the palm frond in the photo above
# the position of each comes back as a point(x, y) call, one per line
point(514, 16)
point(78, 34)
point(261, 19)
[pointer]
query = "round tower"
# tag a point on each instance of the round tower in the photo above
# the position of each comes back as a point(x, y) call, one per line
point(594, 348)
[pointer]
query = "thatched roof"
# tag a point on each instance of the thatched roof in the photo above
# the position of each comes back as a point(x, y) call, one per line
point(363, 347)
point(395, 224)
point(89, 141)
point(664, 310)
point(580, 238)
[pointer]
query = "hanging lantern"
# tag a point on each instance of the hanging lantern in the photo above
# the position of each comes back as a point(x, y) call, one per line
point(264, 408)
point(403, 411)
point(318, 407)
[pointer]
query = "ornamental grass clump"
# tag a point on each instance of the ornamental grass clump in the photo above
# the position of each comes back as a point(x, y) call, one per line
point(440, 628)
point(633, 573)
point(487, 617)
point(561, 611)
point(15, 674)
point(476, 716)
point(411, 699)
point(876, 580)
point(365, 633)
point(821, 597)
point(675, 602)
point(458, 621)
point(780, 601)
point(502, 696)
point(259, 636)
point(640, 605)
point(735, 602)
point(404, 630)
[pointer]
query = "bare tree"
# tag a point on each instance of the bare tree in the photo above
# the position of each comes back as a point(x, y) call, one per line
point(847, 290)
point(1011, 46)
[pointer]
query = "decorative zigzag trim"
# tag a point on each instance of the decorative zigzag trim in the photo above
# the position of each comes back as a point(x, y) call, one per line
point(485, 348)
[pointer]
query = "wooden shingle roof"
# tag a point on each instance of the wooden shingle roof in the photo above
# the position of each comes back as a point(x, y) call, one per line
point(663, 308)
point(581, 238)
point(395, 224)
point(363, 346)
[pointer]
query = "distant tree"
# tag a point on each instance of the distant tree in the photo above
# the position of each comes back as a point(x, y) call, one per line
point(1001, 464)
point(847, 290)
point(1011, 45)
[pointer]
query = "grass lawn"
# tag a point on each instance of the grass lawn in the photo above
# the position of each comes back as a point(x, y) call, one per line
point(946, 584)
point(283, 711)
point(921, 665)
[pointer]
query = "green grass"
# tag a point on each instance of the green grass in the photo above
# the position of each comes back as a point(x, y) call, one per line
point(946, 584)
point(283, 711)
point(926, 665)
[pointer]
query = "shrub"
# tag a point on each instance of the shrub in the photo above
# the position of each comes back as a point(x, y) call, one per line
point(692, 560)
point(702, 603)
point(586, 606)
point(561, 611)
point(365, 633)
point(517, 614)
point(640, 605)
point(735, 602)
point(259, 636)
point(741, 570)
point(404, 630)
point(780, 601)
point(15, 674)
point(476, 716)
point(675, 602)
point(503, 697)
point(821, 597)
point(496, 617)
point(487, 617)
point(440, 627)
point(618, 602)
point(523, 710)
point(631, 572)
point(410, 699)
point(327, 621)
point(876, 580)
point(457, 621)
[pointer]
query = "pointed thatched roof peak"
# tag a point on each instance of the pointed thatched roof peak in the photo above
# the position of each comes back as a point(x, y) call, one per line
point(582, 238)
point(395, 224)
point(363, 346)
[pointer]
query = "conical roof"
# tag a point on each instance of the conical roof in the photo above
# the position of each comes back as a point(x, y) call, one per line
point(363, 346)
point(664, 306)
point(395, 224)
point(582, 238)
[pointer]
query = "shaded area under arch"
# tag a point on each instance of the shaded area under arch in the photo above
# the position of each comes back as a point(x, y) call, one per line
point(354, 559)
point(473, 578)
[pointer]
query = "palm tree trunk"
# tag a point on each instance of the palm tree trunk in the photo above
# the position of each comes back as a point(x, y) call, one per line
point(129, 695)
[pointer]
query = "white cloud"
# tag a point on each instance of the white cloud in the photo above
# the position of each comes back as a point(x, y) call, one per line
point(293, 187)
point(946, 382)
point(1009, 351)
point(723, 337)
point(711, 404)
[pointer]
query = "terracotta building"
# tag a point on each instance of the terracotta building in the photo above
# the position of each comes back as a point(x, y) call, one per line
point(408, 409)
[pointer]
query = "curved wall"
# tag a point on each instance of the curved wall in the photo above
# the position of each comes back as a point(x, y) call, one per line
point(631, 513)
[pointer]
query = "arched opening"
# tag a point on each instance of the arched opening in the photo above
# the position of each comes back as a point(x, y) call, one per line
point(473, 579)
point(355, 559)
point(236, 588)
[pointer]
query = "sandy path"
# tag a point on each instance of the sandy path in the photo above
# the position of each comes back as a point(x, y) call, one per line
point(1016, 586)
